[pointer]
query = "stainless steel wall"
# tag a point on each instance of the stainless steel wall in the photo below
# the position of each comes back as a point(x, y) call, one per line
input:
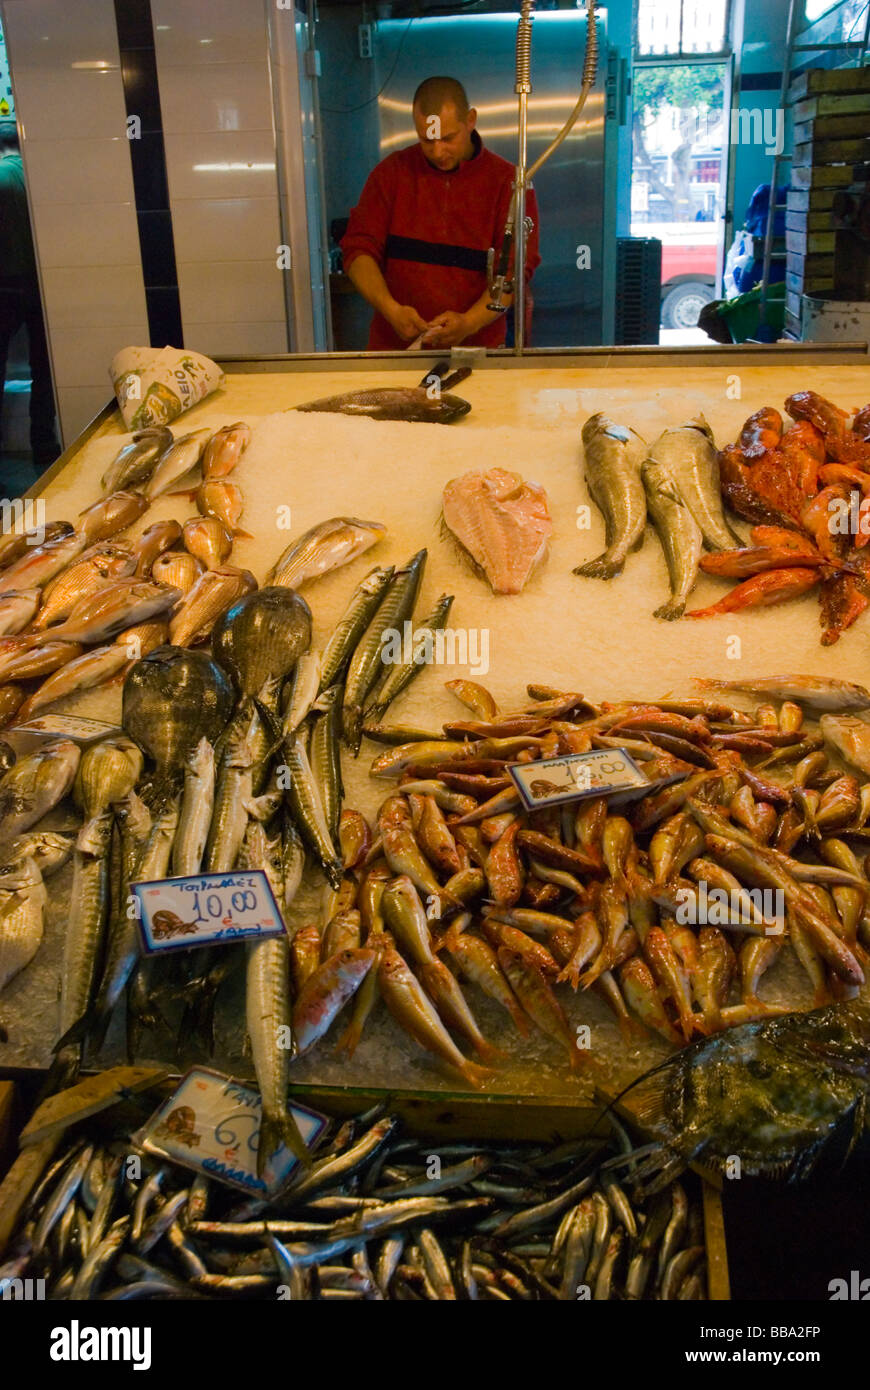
point(479, 50)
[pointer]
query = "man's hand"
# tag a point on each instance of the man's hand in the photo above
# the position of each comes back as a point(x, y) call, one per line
point(405, 321)
point(447, 329)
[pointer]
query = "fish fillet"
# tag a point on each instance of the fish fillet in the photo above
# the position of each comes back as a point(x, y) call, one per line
point(503, 522)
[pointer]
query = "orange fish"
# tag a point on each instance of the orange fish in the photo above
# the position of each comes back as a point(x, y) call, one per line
point(762, 591)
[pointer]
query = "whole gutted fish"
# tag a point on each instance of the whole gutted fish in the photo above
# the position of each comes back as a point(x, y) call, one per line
point(42, 562)
point(222, 500)
point(172, 699)
point(17, 609)
point(325, 547)
point(366, 665)
point(850, 736)
point(503, 522)
point(352, 624)
point(209, 540)
point(37, 782)
point(99, 617)
point(614, 457)
point(136, 461)
point(179, 459)
point(260, 638)
point(689, 456)
point(111, 515)
point(211, 595)
point(152, 543)
point(196, 810)
point(22, 904)
point(815, 692)
point(98, 569)
point(178, 569)
point(409, 403)
point(306, 808)
point(679, 533)
point(224, 449)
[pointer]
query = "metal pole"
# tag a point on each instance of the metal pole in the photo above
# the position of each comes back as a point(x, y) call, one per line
point(774, 173)
point(519, 229)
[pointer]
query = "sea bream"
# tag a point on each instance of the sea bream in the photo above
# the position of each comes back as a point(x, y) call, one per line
point(136, 461)
point(324, 547)
point(679, 533)
point(503, 522)
point(689, 455)
point(615, 455)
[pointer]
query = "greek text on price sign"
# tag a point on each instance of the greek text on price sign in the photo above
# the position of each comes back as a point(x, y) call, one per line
point(206, 910)
point(603, 772)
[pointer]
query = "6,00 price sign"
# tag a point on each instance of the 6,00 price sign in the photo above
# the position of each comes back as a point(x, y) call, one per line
point(206, 910)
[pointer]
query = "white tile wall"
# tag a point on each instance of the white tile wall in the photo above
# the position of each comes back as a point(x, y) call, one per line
point(70, 105)
point(216, 102)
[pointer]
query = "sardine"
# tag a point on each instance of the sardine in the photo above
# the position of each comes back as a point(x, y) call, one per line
point(689, 456)
point(324, 547)
point(614, 457)
point(679, 534)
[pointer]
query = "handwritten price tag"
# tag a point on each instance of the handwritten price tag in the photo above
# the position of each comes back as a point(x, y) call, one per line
point(603, 772)
point(211, 1123)
point(206, 910)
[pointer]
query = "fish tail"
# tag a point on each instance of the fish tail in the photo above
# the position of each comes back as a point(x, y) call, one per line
point(671, 610)
point(276, 1130)
point(475, 1075)
point(520, 1021)
point(350, 1038)
point(488, 1053)
point(352, 727)
point(187, 492)
point(239, 534)
point(602, 568)
point(80, 1030)
point(63, 1072)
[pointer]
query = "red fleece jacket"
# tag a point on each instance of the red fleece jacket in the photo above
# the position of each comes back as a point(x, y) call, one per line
point(430, 231)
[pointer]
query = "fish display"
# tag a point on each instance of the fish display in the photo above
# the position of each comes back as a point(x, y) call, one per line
point(414, 404)
point(177, 461)
point(502, 522)
point(500, 1222)
point(224, 449)
point(680, 535)
point(135, 462)
point(688, 456)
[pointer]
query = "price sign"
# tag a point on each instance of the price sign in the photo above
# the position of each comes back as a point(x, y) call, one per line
point(603, 772)
point(74, 726)
point(211, 1123)
point(206, 910)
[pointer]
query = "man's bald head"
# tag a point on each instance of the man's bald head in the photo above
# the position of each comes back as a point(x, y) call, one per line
point(436, 92)
point(444, 122)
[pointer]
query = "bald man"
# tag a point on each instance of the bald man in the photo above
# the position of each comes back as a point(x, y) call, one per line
point(416, 242)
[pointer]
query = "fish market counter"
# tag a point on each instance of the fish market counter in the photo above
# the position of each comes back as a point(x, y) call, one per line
point(563, 631)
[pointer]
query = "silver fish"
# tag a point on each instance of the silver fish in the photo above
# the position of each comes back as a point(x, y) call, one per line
point(353, 623)
point(179, 459)
point(83, 940)
point(324, 547)
point(689, 455)
point(37, 782)
point(303, 688)
point(196, 810)
point(22, 905)
point(136, 461)
point(679, 533)
point(614, 457)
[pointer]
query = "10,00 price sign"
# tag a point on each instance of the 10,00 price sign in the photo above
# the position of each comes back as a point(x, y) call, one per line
point(205, 910)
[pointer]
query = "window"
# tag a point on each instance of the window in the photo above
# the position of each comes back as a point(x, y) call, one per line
point(680, 28)
point(816, 8)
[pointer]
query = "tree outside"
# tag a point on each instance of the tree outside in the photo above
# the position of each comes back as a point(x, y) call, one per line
point(694, 94)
